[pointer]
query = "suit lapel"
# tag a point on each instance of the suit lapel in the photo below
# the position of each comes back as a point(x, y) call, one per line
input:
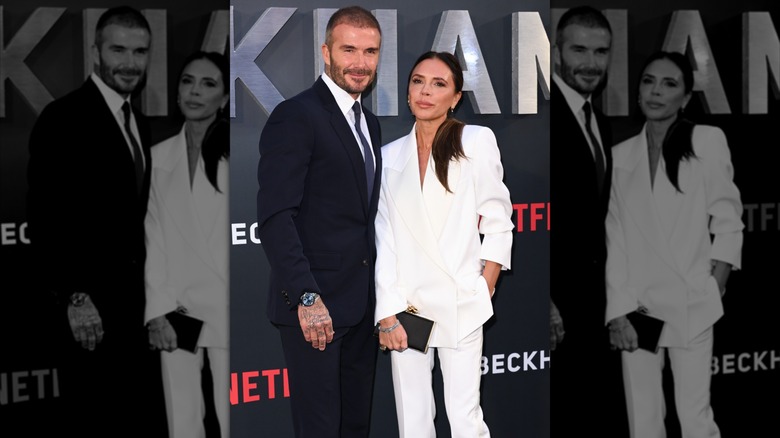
point(106, 122)
point(641, 201)
point(173, 179)
point(403, 188)
point(346, 139)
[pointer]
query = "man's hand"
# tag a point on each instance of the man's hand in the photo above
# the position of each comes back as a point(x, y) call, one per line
point(556, 327)
point(86, 324)
point(162, 336)
point(316, 324)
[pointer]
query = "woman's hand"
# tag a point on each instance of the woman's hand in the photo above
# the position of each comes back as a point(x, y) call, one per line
point(162, 336)
point(395, 338)
point(622, 335)
point(490, 274)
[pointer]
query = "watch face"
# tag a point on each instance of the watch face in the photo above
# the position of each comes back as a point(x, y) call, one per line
point(307, 299)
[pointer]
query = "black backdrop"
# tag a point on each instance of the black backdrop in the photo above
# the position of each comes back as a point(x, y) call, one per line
point(515, 383)
point(747, 350)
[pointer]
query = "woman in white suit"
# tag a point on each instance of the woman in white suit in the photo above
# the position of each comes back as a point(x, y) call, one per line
point(442, 188)
point(187, 245)
point(672, 189)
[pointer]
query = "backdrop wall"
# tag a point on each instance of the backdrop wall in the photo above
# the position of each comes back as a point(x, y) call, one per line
point(274, 57)
point(736, 53)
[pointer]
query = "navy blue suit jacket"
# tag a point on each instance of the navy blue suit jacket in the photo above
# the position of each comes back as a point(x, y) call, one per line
point(315, 222)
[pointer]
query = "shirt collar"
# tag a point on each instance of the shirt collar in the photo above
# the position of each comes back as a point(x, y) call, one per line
point(573, 98)
point(343, 99)
point(112, 98)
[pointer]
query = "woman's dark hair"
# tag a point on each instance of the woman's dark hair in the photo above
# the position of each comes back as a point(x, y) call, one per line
point(677, 145)
point(447, 144)
point(216, 141)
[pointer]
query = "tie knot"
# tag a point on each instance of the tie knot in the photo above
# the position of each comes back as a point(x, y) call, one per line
point(586, 108)
point(126, 111)
point(356, 108)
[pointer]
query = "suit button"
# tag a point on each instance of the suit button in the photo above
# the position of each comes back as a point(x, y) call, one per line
point(365, 262)
point(284, 293)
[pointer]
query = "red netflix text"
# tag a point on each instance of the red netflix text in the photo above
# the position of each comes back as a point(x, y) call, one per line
point(534, 216)
point(252, 386)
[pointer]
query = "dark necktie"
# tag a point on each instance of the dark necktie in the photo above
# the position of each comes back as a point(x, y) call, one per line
point(137, 157)
point(369, 155)
point(596, 147)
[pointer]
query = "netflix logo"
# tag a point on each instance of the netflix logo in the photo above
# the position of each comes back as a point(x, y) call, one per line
point(534, 216)
point(253, 386)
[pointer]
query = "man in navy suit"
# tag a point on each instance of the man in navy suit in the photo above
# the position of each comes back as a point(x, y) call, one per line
point(318, 190)
point(88, 189)
point(582, 364)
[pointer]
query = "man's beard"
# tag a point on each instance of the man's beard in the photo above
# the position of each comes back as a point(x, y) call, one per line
point(107, 74)
point(569, 75)
point(339, 76)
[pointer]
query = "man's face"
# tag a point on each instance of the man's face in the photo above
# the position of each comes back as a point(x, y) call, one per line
point(582, 56)
point(122, 57)
point(352, 57)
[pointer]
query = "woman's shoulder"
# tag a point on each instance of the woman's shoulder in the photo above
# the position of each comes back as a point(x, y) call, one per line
point(708, 140)
point(163, 148)
point(708, 132)
point(477, 136)
point(626, 145)
point(470, 130)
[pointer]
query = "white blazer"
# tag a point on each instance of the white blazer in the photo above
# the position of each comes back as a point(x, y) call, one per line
point(658, 240)
point(187, 235)
point(429, 252)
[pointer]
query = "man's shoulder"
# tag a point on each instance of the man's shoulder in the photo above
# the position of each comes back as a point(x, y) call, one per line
point(305, 100)
point(68, 104)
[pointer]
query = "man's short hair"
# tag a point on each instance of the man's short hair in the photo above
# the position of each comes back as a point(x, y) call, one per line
point(354, 16)
point(124, 16)
point(586, 16)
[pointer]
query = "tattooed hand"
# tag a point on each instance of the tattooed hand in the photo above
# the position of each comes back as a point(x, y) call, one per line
point(86, 324)
point(316, 324)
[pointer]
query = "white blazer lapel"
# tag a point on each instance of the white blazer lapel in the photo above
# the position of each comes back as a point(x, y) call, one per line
point(211, 215)
point(403, 181)
point(640, 198)
point(173, 179)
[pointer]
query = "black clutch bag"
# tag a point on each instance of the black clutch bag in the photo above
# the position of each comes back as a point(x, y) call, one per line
point(418, 328)
point(187, 330)
point(648, 330)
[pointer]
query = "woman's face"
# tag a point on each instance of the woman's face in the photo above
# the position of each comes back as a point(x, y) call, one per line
point(432, 90)
point(662, 90)
point(201, 90)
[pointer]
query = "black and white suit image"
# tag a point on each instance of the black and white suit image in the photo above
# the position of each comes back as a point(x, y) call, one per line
point(582, 364)
point(87, 226)
point(88, 180)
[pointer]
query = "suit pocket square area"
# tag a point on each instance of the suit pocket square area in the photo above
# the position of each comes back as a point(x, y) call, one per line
point(418, 330)
point(648, 330)
point(187, 330)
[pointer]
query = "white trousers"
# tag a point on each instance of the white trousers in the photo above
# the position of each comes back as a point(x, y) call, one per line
point(413, 388)
point(184, 402)
point(642, 374)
